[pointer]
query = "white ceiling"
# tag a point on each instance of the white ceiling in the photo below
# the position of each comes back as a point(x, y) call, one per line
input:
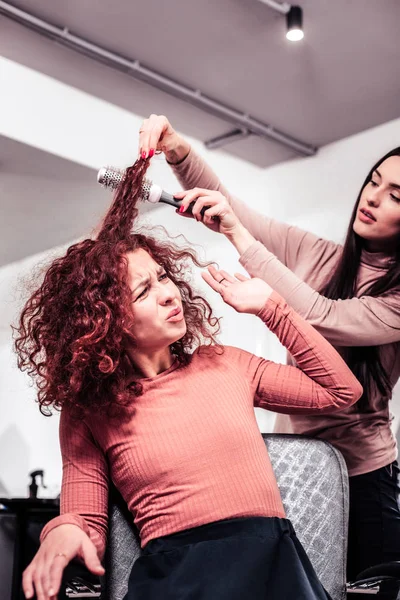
point(45, 201)
point(341, 79)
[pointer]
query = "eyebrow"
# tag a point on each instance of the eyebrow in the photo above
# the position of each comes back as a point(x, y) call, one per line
point(396, 186)
point(146, 280)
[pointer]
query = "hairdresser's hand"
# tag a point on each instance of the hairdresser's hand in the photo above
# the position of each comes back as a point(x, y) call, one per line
point(217, 214)
point(243, 294)
point(157, 135)
point(58, 548)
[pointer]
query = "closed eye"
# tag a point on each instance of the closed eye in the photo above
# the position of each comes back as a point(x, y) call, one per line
point(142, 293)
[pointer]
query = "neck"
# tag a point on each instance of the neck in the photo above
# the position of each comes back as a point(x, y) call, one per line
point(388, 247)
point(151, 362)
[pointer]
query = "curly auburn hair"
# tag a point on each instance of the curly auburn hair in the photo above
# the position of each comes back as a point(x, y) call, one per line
point(74, 329)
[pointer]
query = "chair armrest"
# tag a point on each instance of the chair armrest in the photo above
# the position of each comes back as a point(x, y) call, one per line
point(389, 569)
point(79, 588)
point(79, 582)
point(382, 580)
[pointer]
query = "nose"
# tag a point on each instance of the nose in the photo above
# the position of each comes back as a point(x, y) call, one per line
point(373, 198)
point(166, 294)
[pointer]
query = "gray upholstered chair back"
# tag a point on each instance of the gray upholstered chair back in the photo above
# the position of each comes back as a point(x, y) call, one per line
point(312, 478)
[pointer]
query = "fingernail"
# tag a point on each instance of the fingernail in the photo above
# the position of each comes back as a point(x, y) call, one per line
point(181, 209)
point(151, 153)
point(51, 592)
point(143, 155)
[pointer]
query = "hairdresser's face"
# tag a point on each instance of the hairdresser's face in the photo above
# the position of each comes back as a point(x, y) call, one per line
point(378, 214)
point(156, 304)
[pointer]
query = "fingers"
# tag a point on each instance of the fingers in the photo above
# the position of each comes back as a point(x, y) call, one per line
point(198, 202)
point(91, 559)
point(220, 275)
point(44, 576)
point(241, 277)
point(40, 581)
point(195, 195)
point(143, 139)
point(218, 279)
point(56, 571)
point(150, 134)
point(208, 278)
point(27, 583)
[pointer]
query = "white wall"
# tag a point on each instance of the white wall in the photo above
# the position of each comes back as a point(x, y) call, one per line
point(92, 133)
point(317, 193)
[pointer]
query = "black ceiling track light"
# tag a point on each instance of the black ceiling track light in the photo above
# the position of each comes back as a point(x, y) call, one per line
point(294, 21)
point(294, 18)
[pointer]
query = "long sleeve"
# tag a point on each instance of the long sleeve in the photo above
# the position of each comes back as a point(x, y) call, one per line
point(321, 383)
point(85, 483)
point(360, 321)
point(290, 244)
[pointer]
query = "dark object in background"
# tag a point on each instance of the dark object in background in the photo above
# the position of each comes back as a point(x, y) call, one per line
point(25, 519)
point(33, 488)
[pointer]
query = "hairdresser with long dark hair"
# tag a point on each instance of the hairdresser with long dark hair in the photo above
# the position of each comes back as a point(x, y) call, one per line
point(350, 294)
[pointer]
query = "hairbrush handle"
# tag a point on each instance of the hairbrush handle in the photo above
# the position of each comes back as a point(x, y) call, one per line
point(111, 177)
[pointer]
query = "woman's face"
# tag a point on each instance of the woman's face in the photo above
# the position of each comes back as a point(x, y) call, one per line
point(378, 214)
point(156, 304)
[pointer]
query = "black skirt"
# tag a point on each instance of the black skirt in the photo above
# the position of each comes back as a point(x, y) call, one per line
point(257, 558)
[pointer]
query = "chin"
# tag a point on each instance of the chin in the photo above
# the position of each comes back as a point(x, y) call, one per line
point(360, 229)
point(180, 333)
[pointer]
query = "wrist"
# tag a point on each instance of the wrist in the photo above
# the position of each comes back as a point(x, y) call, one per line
point(178, 151)
point(240, 238)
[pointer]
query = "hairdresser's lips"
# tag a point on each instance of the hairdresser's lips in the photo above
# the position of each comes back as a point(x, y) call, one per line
point(366, 216)
point(175, 315)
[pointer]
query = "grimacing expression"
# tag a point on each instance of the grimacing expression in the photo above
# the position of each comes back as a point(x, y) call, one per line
point(378, 215)
point(156, 304)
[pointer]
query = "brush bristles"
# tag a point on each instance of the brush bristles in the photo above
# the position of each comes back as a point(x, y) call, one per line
point(110, 177)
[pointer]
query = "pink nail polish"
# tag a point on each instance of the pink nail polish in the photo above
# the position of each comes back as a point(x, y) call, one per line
point(143, 155)
point(181, 209)
point(151, 153)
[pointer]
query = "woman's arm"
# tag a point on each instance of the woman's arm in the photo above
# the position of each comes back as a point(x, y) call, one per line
point(85, 483)
point(81, 529)
point(322, 382)
point(288, 243)
point(364, 321)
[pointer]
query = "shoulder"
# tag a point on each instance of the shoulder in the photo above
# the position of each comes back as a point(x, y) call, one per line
point(217, 354)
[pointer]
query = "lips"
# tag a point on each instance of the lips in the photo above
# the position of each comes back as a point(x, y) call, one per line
point(367, 213)
point(175, 314)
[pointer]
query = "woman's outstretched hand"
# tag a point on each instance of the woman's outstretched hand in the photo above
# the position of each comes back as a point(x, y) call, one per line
point(242, 293)
point(65, 542)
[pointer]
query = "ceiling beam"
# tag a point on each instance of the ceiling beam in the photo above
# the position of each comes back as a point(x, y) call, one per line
point(135, 69)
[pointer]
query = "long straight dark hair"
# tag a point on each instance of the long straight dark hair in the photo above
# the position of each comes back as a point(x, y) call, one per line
point(364, 361)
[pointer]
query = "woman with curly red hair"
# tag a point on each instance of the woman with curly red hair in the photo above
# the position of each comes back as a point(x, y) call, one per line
point(117, 339)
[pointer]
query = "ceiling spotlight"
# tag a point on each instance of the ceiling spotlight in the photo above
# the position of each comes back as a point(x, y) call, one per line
point(294, 21)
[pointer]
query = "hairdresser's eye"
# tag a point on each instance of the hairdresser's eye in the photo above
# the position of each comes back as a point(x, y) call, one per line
point(373, 183)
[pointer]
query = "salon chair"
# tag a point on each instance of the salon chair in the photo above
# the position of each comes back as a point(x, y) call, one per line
point(312, 478)
point(313, 482)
